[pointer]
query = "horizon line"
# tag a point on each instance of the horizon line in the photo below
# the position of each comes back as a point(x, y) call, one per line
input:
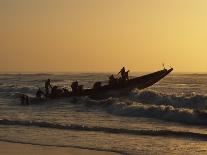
point(48, 72)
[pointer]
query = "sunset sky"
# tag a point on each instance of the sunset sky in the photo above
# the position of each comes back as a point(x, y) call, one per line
point(103, 35)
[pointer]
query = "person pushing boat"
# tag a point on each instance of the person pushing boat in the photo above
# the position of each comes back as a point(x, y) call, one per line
point(74, 86)
point(47, 86)
point(39, 93)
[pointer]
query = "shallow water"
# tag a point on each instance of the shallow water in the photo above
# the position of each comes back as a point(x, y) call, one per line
point(161, 119)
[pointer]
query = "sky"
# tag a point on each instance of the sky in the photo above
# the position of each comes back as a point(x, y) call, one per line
point(102, 35)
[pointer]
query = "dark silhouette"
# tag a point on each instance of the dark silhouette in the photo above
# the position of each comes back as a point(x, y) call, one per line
point(47, 86)
point(74, 87)
point(112, 80)
point(39, 93)
point(97, 85)
point(56, 92)
point(24, 99)
point(66, 92)
point(80, 89)
point(122, 71)
point(27, 100)
point(124, 74)
point(114, 84)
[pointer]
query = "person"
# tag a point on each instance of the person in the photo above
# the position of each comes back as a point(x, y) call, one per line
point(56, 92)
point(97, 85)
point(112, 80)
point(39, 93)
point(124, 74)
point(122, 71)
point(24, 99)
point(66, 92)
point(47, 86)
point(74, 86)
point(80, 89)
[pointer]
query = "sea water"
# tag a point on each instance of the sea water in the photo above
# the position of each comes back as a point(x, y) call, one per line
point(166, 118)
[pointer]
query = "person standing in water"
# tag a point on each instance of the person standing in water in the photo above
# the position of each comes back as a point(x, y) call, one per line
point(47, 86)
point(74, 86)
point(39, 93)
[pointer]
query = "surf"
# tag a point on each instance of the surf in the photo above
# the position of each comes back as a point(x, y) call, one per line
point(77, 127)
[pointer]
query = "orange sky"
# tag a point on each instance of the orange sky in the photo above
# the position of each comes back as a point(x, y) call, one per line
point(103, 35)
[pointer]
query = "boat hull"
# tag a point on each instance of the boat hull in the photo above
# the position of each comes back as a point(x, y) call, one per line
point(138, 83)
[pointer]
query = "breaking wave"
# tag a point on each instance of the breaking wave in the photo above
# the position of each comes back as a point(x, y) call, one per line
point(166, 133)
point(163, 112)
point(194, 101)
point(151, 104)
point(131, 107)
point(147, 103)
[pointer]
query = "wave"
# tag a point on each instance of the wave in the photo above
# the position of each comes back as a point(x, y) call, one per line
point(162, 112)
point(194, 101)
point(166, 133)
point(28, 88)
point(14, 91)
point(154, 105)
point(146, 103)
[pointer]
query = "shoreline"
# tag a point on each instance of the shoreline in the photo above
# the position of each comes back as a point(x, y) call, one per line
point(15, 148)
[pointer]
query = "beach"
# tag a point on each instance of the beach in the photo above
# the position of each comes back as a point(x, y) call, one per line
point(7, 148)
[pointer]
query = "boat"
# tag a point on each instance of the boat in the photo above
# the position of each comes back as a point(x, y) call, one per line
point(139, 83)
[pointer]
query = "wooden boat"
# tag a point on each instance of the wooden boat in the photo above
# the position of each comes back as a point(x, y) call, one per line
point(138, 83)
point(126, 85)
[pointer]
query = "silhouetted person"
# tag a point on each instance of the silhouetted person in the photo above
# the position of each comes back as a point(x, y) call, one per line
point(112, 80)
point(80, 89)
point(124, 74)
point(66, 92)
point(24, 99)
point(122, 71)
point(54, 90)
point(74, 86)
point(47, 86)
point(39, 93)
point(27, 100)
point(97, 85)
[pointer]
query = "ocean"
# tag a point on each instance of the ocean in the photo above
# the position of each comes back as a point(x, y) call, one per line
point(169, 117)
